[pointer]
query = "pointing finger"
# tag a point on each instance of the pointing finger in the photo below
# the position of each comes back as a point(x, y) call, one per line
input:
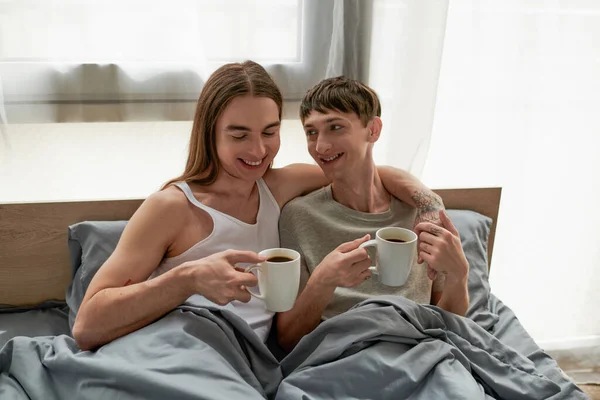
point(357, 255)
point(349, 246)
point(239, 256)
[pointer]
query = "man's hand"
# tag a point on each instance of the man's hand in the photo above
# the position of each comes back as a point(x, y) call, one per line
point(346, 266)
point(428, 205)
point(441, 248)
point(216, 277)
point(426, 215)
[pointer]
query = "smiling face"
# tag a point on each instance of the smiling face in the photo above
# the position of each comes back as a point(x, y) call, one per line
point(341, 121)
point(339, 142)
point(247, 136)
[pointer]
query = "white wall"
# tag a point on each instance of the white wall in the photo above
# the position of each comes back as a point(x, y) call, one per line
point(77, 161)
point(56, 162)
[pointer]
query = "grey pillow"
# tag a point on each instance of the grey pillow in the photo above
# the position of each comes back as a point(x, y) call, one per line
point(90, 245)
point(92, 242)
point(474, 230)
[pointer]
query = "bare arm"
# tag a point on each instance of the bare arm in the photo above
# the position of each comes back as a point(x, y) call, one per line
point(120, 300)
point(455, 297)
point(306, 315)
point(294, 180)
point(117, 311)
point(346, 266)
point(409, 189)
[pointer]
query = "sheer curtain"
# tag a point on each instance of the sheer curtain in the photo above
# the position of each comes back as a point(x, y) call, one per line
point(123, 60)
point(398, 54)
point(3, 122)
point(405, 56)
point(517, 107)
point(3, 119)
point(4, 143)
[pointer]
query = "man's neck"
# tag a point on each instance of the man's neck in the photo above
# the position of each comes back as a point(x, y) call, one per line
point(362, 190)
point(230, 186)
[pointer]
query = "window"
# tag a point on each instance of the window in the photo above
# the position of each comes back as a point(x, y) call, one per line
point(113, 31)
point(58, 52)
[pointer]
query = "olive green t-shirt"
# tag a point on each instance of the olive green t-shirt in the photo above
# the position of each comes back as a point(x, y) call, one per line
point(315, 224)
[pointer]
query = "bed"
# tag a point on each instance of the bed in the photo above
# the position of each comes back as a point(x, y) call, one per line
point(41, 257)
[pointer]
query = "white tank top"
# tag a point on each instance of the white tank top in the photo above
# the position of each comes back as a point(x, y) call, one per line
point(231, 233)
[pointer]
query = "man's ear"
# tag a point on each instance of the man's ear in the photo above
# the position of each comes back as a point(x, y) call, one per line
point(374, 127)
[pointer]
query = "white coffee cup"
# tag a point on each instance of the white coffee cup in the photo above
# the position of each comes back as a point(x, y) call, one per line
point(278, 281)
point(394, 258)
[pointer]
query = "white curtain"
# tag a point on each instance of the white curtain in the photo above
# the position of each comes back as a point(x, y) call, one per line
point(4, 142)
point(3, 120)
point(405, 55)
point(517, 107)
point(124, 60)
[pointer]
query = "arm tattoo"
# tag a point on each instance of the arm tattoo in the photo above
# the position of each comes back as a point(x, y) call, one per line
point(428, 205)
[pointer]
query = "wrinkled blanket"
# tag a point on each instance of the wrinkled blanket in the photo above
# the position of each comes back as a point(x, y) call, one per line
point(387, 347)
point(191, 353)
point(392, 348)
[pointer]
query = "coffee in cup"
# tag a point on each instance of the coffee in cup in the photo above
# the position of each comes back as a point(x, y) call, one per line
point(396, 251)
point(277, 259)
point(396, 240)
point(278, 278)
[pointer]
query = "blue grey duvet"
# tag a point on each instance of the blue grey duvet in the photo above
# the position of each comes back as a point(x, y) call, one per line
point(385, 348)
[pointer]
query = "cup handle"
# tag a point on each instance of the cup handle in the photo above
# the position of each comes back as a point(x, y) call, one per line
point(371, 243)
point(250, 269)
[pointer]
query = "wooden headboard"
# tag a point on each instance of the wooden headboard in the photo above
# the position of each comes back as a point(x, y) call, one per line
point(34, 257)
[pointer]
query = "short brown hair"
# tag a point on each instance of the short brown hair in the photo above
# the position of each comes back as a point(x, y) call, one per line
point(225, 84)
point(344, 95)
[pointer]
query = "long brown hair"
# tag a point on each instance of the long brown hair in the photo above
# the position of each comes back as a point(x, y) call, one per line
point(226, 83)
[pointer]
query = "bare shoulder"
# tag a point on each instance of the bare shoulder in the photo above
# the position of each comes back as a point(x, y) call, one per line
point(294, 180)
point(169, 198)
point(273, 177)
point(167, 208)
point(149, 233)
point(291, 170)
